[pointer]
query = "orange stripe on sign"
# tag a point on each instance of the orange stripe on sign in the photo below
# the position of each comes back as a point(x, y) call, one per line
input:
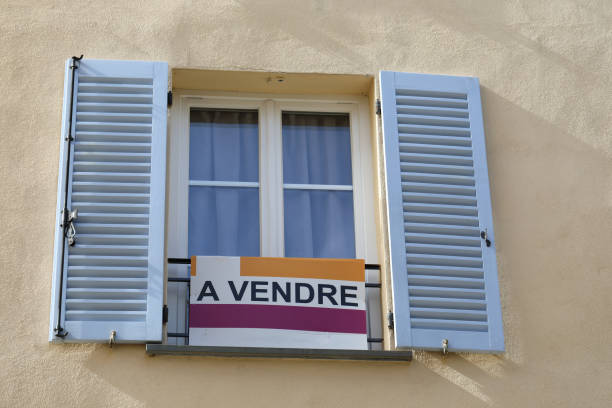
point(321, 268)
point(193, 265)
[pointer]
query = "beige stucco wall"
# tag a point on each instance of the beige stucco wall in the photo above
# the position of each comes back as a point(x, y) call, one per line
point(546, 76)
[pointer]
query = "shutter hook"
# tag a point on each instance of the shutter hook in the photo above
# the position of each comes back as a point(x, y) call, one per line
point(445, 347)
point(113, 336)
point(485, 236)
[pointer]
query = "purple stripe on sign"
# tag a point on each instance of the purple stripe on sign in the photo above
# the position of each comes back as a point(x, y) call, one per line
point(278, 317)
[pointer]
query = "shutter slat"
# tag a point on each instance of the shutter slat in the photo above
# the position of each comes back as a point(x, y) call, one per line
point(440, 208)
point(107, 283)
point(109, 239)
point(436, 159)
point(114, 147)
point(435, 102)
point(113, 127)
point(114, 117)
point(138, 198)
point(113, 157)
point(447, 219)
point(438, 179)
point(109, 187)
point(431, 120)
point(444, 270)
point(129, 229)
point(138, 178)
point(435, 140)
point(434, 111)
point(455, 293)
point(450, 250)
point(116, 88)
point(444, 277)
point(135, 250)
point(449, 325)
point(445, 303)
point(421, 238)
point(119, 137)
point(107, 271)
point(442, 260)
point(110, 294)
point(113, 107)
point(89, 207)
point(106, 304)
point(87, 166)
point(97, 97)
point(105, 316)
point(445, 281)
point(435, 149)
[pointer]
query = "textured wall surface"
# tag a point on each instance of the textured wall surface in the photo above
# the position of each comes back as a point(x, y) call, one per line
point(546, 77)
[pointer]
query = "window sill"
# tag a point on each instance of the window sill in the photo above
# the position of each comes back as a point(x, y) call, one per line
point(257, 352)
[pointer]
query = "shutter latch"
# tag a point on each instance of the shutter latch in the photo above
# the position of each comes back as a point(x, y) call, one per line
point(378, 107)
point(483, 235)
point(68, 225)
point(390, 321)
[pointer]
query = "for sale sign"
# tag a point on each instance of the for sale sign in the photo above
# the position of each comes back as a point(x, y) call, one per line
point(277, 302)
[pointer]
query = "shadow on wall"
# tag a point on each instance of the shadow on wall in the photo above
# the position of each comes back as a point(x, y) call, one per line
point(548, 205)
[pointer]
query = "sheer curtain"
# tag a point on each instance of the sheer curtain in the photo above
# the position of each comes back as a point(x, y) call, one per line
point(317, 177)
point(224, 147)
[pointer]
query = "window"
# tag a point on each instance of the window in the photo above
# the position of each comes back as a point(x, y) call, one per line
point(266, 175)
point(287, 173)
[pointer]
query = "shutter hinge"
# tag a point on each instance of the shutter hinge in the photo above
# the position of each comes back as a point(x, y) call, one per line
point(169, 98)
point(165, 314)
point(390, 321)
point(378, 107)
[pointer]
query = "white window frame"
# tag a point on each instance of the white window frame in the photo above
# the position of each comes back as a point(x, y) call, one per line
point(270, 108)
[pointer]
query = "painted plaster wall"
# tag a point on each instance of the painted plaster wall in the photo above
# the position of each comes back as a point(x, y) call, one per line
point(546, 76)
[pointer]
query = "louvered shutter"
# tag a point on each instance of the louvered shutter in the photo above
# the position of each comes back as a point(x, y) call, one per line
point(444, 275)
point(113, 275)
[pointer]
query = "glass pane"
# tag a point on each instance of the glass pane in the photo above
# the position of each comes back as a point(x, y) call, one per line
point(223, 221)
point(319, 224)
point(223, 145)
point(316, 148)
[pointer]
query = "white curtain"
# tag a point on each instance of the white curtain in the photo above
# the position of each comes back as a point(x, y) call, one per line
point(317, 150)
point(224, 146)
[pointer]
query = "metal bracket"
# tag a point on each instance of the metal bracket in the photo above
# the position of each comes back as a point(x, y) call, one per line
point(390, 321)
point(112, 338)
point(378, 107)
point(165, 314)
point(445, 347)
point(60, 332)
point(169, 98)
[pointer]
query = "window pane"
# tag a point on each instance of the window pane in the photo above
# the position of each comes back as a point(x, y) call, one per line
point(223, 221)
point(223, 145)
point(316, 148)
point(319, 224)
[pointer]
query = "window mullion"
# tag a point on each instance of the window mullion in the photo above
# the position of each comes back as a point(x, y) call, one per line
point(271, 181)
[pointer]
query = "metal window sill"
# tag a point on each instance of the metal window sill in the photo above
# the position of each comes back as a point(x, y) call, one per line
point(258, 352)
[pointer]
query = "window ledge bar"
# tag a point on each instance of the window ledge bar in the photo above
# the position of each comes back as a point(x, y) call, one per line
point(260, 352)
point(340, 187)
point(204, 183)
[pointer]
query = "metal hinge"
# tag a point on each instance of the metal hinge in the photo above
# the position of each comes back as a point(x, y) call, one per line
point(165, 314)
point(390, 321)
point(169, 98)
point(378, 107)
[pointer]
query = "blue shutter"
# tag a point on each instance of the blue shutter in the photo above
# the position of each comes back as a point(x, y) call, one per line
point(113, 276)
point(443, 273)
